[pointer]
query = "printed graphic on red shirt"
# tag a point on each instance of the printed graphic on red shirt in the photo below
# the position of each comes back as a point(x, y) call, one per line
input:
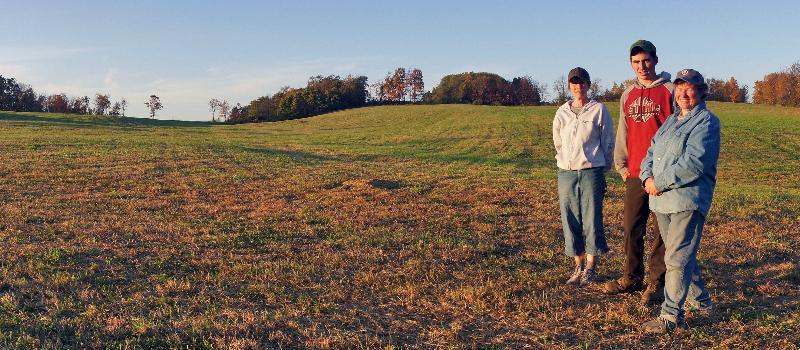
point(645, 110)
point(642, 109)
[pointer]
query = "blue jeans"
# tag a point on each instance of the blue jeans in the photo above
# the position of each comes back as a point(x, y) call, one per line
point(580, 194)
point(681, 233)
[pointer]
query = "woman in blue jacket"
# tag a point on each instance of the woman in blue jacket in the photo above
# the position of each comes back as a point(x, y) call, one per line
point(679, 173)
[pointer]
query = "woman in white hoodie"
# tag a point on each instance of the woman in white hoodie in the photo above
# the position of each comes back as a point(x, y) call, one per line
point(583, 135)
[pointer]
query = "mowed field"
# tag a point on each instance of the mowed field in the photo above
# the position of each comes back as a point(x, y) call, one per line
point(378, 228)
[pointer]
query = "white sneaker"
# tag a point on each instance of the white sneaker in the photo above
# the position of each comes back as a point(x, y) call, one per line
point(576, 276)
point(587, 277)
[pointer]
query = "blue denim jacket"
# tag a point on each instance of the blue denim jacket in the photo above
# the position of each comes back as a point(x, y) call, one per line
point(683, 162)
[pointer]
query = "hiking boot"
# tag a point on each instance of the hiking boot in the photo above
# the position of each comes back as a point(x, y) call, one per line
point(653, 294)
point(575, 279)
point(588, 277)
point(660, 325)
point(622, 285)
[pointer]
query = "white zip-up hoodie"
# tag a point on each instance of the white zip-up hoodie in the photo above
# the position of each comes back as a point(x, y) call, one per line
point(585, 140)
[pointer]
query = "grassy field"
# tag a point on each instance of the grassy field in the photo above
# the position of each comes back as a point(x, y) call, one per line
point(383, 227)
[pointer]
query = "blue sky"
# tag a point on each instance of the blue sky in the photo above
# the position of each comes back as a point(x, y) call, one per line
point(188, 52)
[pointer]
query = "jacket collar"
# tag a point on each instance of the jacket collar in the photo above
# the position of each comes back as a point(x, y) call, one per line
point(695, 111)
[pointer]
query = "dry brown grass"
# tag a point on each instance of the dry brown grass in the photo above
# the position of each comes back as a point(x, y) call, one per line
point(165, 238)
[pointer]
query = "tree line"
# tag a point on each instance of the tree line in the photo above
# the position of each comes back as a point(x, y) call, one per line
point(718, 90)
point(20, 97)
point(323, 94)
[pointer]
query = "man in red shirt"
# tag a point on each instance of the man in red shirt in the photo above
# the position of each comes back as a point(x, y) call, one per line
point(644, 106)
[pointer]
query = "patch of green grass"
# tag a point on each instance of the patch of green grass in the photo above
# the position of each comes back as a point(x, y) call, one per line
point(380, 227)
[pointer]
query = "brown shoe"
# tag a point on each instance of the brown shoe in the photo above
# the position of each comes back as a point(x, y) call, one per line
point(653, 294)
point(622, 285)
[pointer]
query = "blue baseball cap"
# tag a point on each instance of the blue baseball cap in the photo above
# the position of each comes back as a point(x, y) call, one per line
point(690, 76)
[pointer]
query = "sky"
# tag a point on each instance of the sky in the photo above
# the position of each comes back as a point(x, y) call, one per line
point(188, 52)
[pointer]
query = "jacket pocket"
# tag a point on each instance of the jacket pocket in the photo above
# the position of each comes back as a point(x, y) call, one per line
point(678, 143)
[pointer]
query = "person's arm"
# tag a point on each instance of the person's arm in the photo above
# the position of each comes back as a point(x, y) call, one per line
point(607, 137)
point(621, 144)
point(557, 133)
point(646, 169)
point(702, 148)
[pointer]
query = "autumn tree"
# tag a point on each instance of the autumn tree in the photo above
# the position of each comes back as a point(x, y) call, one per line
point(416, 86)
point(101, 103)
point(394, 85)
point(238, 114)
point(527, 92)
point(780, 88)
point(261, 109)
point(57, 103)
point(154, 104)
point(732, 90)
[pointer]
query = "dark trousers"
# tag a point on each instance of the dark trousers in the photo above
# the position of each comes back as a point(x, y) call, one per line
point(634, 224)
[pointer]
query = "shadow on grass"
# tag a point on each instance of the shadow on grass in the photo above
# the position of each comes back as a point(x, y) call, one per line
point(306, 156)
point(96, 121)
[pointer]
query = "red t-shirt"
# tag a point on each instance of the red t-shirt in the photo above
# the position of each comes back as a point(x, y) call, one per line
point(645, 110)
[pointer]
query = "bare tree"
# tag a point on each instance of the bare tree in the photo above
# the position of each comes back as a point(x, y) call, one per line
point(86, 109)
point(224, 109)
point(213, 105)
point(561, 89)
point(543, 91)
point(115, 109)
point(123, 104)
point(594, 89)
point(154, 104)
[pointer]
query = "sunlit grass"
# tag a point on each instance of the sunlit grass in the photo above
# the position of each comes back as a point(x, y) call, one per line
point(381, 227)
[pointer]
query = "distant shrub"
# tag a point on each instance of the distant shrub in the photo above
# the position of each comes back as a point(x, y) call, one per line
point(486, 89)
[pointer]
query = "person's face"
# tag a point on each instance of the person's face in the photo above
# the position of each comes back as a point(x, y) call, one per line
point(578, 87)
point(687, 96)
point(644, 65)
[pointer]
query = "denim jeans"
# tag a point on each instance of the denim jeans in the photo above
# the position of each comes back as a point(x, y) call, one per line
point(580, 194)
point(681, 233)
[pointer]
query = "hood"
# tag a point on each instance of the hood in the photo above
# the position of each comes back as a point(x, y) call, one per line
point(661, 78)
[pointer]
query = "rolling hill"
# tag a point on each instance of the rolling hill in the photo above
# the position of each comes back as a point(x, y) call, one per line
point(379, 227)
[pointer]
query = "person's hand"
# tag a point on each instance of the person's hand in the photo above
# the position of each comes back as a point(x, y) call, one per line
point(650, 187)
point(625, 175)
